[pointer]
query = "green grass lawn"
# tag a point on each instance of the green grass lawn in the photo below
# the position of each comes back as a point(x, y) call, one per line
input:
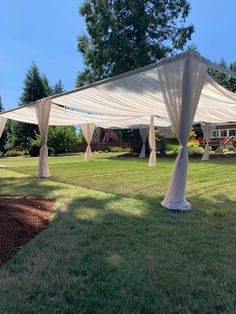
point(112, 248)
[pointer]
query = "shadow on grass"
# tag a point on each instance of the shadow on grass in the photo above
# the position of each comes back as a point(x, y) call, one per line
point(110, 254)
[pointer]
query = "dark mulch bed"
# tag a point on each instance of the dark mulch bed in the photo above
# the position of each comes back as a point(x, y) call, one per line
point(21, 219)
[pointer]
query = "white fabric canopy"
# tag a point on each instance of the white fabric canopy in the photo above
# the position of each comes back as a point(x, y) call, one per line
point(65, 116)
point(207, 129)
point(144, 134)
point(139, 93)
point(88, 130)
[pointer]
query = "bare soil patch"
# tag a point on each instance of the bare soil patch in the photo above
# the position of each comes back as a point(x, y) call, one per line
point(21, 219)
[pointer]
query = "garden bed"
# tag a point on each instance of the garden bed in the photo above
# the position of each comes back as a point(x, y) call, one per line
point(22, 218)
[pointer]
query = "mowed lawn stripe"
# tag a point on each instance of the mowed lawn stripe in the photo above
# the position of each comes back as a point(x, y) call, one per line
point(112, 248)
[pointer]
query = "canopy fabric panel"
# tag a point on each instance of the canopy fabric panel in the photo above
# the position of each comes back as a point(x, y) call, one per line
point(63, 116)
point(140, 94)
point(43, 112)
point(181, 83)
point(137, 95)
point(207, 129)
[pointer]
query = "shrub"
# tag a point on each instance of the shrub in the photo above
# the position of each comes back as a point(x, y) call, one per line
point(193, 144)
point(1, 154)
point(196, 150)
point(16, 153)
point(60, 138)
point(172, 148)
point(35, 144)
point(117, 149)
point(231, 148)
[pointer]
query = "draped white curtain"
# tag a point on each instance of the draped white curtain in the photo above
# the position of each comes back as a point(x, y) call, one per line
point(43, 112)
point(88, 130)
point(144, 134)
point(181, 84)
point(3, 122)
point(207, 129)
point(152, 143)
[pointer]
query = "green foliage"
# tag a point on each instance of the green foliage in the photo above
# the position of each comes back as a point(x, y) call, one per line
point(231, 148)
point(58, 88)
point(35, 87)
point(37, 141)
point(3, 137)
point(24, 135)
point(128, 34)
point(16, 153)
point(193, 144)
point(18, 134)
point(35, 145)
point(117, 149)
point(172, 148)
point(80, 137)
point(223, 79)
point(194, 150)
point(60, 138)
point(1, 105)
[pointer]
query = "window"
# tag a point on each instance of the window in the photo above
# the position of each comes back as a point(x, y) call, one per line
point(232, 132)
point(216, 134)
point(223, 133)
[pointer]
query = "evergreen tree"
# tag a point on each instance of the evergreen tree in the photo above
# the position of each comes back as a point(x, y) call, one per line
point(223, 79)
point(127, 34)
point(1, 105)
point(3, 137)
point(58, 88)
point(35, 87)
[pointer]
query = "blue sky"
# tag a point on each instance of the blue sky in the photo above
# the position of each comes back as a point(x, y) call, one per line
point(45, 31)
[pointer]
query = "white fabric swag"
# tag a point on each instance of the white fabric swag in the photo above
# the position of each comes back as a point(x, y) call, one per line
point(3, 122)
point(181, 84)
point(43, 112)
point(207, 129)
point(152, 143)
point(88, 130)
point(144, 134)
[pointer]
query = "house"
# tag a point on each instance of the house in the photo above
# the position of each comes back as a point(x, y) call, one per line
point(224, 133)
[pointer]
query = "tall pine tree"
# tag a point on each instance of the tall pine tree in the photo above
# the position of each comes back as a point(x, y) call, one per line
point(3, 137)
point(127, 34)
point(35, 87)
point(1, 105)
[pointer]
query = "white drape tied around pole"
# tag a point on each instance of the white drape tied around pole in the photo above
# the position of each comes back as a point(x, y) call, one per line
point(207, 129)
point(152, 143)
point(144, 134)
point(43, 112)
point(181, 83)
point(3, 122)
point(88, 130)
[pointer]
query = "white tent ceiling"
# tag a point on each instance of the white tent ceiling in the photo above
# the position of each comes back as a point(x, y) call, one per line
point(63, 116)
point(127, 101)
